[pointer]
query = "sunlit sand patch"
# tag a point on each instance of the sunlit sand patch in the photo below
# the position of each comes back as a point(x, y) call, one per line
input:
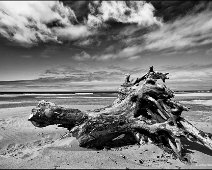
point(33, 149)
point(63, 143)
point(27, 150)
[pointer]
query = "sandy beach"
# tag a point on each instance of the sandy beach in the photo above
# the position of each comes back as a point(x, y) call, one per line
point(24, 146)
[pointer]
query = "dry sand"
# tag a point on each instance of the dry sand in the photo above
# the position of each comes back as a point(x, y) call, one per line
point(24, 146)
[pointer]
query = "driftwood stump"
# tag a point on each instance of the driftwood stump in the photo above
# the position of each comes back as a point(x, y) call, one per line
point(142, 111)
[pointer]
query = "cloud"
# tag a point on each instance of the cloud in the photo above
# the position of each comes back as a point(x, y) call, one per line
point(188, 67)
point(84, 43)
point(82, 56)
point(185, 77)
point(130, 12)
point(185, 33)
point(171, 10)
point(73, 74)
point(195, 76)
point(124, 70)
point(72, 32)
point(126, 53)
point(189, 31)
point(64, 72)
point(52, 21)
point(189, 77)
point(39, 21)
point(134, 26)
point(26, 56)
point(209, 51)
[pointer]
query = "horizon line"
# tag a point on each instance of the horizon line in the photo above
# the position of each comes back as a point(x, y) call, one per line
point(90, 91)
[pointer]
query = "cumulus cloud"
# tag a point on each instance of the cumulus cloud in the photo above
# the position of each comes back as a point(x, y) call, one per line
point(130, 12)
point(72, 32)
point(29, 22)
point(43, 21)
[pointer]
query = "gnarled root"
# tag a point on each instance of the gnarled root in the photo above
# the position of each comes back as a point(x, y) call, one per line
point(139, 113)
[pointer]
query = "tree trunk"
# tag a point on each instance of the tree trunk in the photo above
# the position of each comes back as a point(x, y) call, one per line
point(146, 109)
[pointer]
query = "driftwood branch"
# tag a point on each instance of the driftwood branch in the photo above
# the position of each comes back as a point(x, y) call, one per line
point(140, 112)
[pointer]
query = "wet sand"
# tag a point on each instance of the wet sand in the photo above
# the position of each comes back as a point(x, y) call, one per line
point(24, 146)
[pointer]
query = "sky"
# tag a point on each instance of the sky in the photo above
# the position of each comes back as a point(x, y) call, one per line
point(91, 45)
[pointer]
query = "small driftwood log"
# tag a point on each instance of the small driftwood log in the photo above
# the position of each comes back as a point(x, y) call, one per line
point(140, 113)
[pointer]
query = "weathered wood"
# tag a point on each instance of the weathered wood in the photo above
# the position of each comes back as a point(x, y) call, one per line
point(139, 110)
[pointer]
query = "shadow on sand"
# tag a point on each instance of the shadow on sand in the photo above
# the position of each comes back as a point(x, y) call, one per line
point(190, 146)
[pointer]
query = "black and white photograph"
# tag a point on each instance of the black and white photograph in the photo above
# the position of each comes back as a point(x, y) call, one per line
point(106, 84)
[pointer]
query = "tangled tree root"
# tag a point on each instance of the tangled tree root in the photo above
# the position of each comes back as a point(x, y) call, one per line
point(141, 112)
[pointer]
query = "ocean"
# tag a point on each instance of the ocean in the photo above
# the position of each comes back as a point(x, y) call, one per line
point(11, 100)
point(31, 99)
